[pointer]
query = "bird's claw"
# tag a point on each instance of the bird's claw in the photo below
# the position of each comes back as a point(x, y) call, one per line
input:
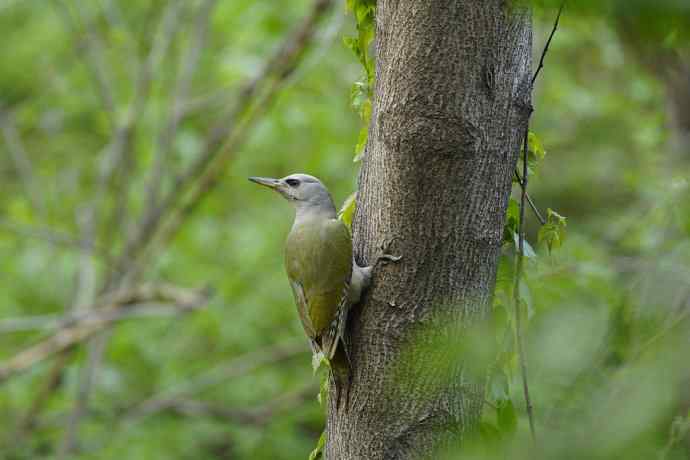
point(388, 258)
point(385, 257)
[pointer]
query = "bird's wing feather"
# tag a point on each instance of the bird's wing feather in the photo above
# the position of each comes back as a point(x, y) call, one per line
point(318, 257)
point(302, 307)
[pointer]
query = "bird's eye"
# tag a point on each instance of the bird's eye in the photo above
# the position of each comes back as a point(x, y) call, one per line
point(292, 182)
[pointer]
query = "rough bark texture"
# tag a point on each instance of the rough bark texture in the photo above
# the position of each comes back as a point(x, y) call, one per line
point(452, 99)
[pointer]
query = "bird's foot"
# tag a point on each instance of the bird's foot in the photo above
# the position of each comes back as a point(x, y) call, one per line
point(385, 257)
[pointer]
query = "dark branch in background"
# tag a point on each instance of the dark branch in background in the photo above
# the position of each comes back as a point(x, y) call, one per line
point(90, 47)
point(236, 367)
point(521, 238)
point(259, 416)
point(53, 322)
point(106, 311)
point(279, 66)
point(188, 65)
point(113, 162)
point(21, 160)
point(114, 165)
point(222, 142)
point(548, 43)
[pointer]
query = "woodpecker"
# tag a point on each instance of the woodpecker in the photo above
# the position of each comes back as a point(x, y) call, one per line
point(325, 279)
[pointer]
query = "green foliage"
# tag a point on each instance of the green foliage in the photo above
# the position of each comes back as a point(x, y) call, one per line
point(347, 211)
point(318, 450)
point(364, 12)
point(552, 233)
point(535, 151)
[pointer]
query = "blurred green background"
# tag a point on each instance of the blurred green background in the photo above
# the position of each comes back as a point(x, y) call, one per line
point(608, 333)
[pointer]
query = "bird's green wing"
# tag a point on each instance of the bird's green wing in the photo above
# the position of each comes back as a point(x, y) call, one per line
point(302, 308)
point(318, 260)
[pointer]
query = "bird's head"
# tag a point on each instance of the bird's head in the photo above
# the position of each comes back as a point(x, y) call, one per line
point(302, 190)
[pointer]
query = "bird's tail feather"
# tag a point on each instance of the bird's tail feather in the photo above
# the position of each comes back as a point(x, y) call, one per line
point(340, 375)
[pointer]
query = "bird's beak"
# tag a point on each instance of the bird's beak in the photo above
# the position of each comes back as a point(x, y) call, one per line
point(266, 182)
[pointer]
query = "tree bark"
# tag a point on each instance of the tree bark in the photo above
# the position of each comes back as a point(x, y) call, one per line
point(451, 104)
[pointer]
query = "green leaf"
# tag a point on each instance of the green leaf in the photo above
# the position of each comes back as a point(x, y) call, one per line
point(361, 143)
point(318, 450)
point(535, 146)
point(527, 248)
point(526, 298)
point(347, 211)
point(506, 416)
point(352, 43)
point(535, 153)
point(359, 95)
point(365, 112)
point(552, 233)
point(322, 397)
point(512, 220)
point(319, 361)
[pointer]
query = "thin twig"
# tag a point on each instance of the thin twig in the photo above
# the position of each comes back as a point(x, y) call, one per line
point(208, 181)
point(120, 156)
point(516, 291)
point(21, 160)
point(112, 163)
point(91, 49)
point(537, 214)
point(49, 386)
point(188, 66)
point(521, 240)
point(53, 322)
point(548, 42)
point(279, 66)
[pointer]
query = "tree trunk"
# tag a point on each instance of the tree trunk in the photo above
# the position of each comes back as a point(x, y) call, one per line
point(451, 103)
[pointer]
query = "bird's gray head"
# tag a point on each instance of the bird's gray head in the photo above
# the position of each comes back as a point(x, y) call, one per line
point(305, 192)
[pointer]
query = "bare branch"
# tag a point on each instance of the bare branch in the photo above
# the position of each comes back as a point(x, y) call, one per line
point(52, 322)
point(226, 131)
point(537, 214)
point(548, 42)
point(91, 48)
point(21, 160)
point(519, 259)
point(188, 66)
point(105, 312)
point(111, 163)
point(122, 138)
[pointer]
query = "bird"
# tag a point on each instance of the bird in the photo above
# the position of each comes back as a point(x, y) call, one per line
point(325, 279)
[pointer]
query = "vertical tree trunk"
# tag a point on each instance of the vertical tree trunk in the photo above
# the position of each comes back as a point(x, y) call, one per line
point(452, 99)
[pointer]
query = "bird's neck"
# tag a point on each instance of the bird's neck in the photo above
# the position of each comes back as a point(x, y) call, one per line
point(306, 211)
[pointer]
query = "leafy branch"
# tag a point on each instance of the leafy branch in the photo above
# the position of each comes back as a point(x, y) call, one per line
point(530, 139)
